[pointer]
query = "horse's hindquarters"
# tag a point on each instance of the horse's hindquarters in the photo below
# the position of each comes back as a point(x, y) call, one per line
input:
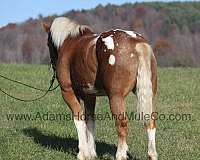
point(117, 62)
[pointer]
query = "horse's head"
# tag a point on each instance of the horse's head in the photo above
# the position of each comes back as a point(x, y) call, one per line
point(50, 44)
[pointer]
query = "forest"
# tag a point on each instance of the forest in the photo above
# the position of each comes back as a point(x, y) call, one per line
point(173, 30)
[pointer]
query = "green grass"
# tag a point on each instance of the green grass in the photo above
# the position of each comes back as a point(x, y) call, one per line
point(178, 92)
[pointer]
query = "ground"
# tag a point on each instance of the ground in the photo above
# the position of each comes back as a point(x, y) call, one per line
point(39, 138)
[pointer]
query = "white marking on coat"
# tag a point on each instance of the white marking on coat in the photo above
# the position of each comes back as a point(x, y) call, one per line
point(108, 41)
point(132, 55)
point(82, 137)
point(130, 33)
point(151, 142)
point(122, 149)
point(111, 60)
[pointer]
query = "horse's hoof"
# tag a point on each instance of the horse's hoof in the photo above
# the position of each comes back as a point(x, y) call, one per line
point(122, 157)
point(153, 157)
point(82, 156)
point(93, 155)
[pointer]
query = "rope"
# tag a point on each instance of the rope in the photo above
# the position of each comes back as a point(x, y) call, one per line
point(39, 89)
point(30, 100)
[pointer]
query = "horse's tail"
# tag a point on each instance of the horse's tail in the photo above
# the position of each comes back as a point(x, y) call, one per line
point(144, 84)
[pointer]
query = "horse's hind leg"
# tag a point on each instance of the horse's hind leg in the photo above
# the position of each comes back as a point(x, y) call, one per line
point(118, 111)
point(89, 103)
point(151, 131)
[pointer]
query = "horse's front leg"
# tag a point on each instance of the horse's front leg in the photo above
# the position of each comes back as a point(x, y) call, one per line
point(121, 121)
point(70, 98)
point(73, 103)
point(89, 104)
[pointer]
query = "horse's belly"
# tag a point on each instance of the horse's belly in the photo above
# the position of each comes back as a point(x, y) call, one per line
point(85, 83)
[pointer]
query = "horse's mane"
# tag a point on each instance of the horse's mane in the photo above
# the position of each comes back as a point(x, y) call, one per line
point(63, 28)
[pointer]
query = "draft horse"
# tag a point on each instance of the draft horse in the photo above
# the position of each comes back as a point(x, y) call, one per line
point(111, 64)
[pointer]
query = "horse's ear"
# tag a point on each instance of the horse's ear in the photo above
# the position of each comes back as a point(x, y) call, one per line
point(46, 27)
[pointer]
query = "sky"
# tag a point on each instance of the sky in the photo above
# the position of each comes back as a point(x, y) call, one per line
point(20, 10)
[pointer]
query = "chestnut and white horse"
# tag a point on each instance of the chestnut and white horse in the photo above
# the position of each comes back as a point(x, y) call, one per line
point(111, 64)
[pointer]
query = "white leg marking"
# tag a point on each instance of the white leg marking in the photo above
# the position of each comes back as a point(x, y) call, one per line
point(152, 143)
point(122, 149)
point(82, 137)
point(91, 138)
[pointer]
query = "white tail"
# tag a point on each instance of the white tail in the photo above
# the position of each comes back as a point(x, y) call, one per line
point(144, 84)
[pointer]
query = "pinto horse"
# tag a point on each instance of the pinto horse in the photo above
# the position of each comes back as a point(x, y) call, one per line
point(111, 64)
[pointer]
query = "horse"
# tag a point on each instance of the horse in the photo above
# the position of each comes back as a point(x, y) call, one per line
point(113, 64)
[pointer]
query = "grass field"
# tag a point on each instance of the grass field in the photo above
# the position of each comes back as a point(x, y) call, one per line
point(178, 93)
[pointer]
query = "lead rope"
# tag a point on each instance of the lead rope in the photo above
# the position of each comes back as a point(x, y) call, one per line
point(31, 100)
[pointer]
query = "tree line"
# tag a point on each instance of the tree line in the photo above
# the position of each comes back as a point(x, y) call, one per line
point(173, 29)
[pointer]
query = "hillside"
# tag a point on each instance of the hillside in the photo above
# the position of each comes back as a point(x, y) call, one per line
point(173, 29)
